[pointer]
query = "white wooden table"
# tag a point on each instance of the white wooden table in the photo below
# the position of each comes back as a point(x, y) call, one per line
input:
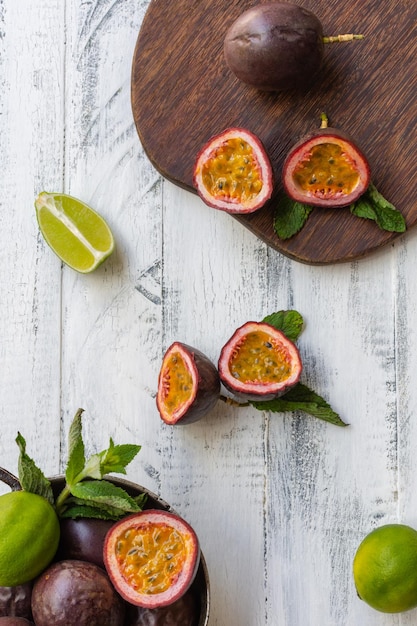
point(280, 502)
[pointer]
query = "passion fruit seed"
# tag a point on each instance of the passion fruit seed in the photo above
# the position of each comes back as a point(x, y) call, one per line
point(188, 385)
point(259, 362)
point(277, 46)
point(326, 169)
point(233, 172)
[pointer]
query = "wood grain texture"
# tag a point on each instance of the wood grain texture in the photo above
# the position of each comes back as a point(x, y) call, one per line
point(183, 93)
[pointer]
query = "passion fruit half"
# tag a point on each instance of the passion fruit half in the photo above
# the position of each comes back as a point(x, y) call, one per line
point(326, 169)
point(188, 385)
point(259, 362)
point(233, 172)
point(152, 558)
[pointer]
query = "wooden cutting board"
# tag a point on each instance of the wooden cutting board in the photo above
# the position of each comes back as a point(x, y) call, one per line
point(183, 93)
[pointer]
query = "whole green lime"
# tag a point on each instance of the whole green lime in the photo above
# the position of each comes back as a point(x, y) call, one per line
point(29, 536)
point(385, 568)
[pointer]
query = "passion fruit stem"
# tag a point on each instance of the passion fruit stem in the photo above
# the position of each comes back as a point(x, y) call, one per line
point(324, 120)
point(342, 38)
point(232, 402)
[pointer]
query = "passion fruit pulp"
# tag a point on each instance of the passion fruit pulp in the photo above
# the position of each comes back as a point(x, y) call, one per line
point(326, 169)
point(277, 46)
point(259, 362)
point(233, 172)
point(188, 385)
point(152, 558)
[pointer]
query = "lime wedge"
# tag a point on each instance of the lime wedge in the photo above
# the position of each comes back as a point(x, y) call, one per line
point(75, 232)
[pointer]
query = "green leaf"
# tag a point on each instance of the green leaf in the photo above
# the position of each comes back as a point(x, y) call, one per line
point(290, 217)
point(116, 458)
point(372, 205)
point(301, 398)
point(105, 494)
point(76, 452)
point(80, 510)
point(31, 477)
point(289, 322)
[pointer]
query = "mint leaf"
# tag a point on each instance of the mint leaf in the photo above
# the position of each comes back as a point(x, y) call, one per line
point(76, 453)
point(288, 322)
point(105, 494)
point(31, 477)
point(301, 398)
point(116, 458)
point(372, 205)
point(78, 510)
point(290, 217)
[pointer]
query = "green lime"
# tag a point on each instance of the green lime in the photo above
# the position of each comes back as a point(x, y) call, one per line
point(29, 536)
point(385, 568)
point(75, 232)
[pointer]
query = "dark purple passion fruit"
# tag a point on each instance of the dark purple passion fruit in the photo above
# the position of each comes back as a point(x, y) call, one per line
point(15, 601)
point(326, 169)
point(76, 593)
point(259, 362)
point(83, 539)
point(233, 172)
point(152, 558)
point(183, 612)
point(275, 46)
point(188, 385)
point(15, 621)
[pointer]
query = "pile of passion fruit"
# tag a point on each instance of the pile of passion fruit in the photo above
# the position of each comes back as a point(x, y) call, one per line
point(279, 46)
point(143, 570)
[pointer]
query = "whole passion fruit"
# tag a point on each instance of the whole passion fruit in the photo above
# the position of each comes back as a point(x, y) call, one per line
point(233, 172)
point(188, 385)
point(76, 593)
point(259, 362)
point(152, 558)
point(326, 169)
point(183, 612)
point(83, 539)
point(16, 601)
point(275, 46)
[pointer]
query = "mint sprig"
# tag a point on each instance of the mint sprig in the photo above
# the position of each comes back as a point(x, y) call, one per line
point(373, 206)
point(290, 216)
point(85, 493)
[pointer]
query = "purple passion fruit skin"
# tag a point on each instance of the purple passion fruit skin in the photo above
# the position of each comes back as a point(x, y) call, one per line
point(83, 539)
point(188, 385)
point(326, 169)
point(161, 574)
point(15, 601)
point(259, 362)
point(15, 621)
point(275, 46)
point(183, 612)
point(76, 593)
point(233, 172)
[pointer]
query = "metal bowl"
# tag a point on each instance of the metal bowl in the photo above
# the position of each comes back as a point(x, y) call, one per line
point(200, 586)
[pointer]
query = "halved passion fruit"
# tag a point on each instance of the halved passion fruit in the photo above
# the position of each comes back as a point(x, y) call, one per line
point(259, 362)
point(188, 385)
point(326, 169)
point(233, 172)
point(151, 557)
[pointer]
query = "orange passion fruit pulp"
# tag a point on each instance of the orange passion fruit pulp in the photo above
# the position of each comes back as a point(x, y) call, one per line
point(233, 172)
point(152, 558)
point(326, 169)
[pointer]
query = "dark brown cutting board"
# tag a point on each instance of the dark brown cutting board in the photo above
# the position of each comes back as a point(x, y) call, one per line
point(183, 93)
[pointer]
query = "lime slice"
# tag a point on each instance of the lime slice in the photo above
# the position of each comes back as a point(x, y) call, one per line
point(75, 232)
